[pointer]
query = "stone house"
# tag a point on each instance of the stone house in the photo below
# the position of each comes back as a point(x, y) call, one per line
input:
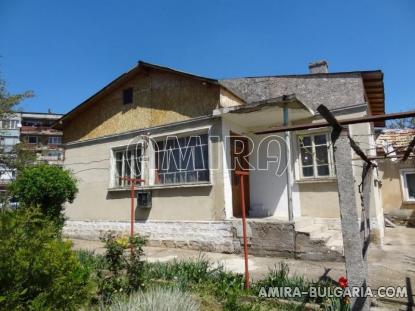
point(153, 115)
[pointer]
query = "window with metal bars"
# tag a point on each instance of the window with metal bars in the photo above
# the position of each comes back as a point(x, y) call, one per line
point(127, 164)
point(182, 160)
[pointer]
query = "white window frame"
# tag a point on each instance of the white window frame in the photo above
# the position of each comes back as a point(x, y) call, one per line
point(113, 171)
point(299, 166)
point(404, 185)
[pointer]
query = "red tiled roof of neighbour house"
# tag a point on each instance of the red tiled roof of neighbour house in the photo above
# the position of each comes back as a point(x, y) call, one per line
point(398, 139)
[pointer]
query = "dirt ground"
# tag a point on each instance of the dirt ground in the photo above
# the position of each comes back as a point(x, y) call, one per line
point(392, 265)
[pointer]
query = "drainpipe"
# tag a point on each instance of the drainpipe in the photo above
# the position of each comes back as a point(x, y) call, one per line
point(289, 167)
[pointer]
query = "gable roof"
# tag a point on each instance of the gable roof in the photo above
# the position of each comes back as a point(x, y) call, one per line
point(255, 89)
point(120, 80)
point(310, 89)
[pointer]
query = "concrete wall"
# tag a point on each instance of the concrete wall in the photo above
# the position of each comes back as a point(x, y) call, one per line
point(96, 200)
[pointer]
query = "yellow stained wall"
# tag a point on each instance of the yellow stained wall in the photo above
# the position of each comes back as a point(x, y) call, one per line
point(391, 189)
point(159, 98)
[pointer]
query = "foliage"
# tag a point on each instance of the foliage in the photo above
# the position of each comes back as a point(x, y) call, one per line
point(279, 277)
point(47, 187)
point(201, 277)
point(90, 260)
point(19, 157)
point(8, 102)
point(156, 299)
point(38, 271)
point(401, 123)
point(123, 272)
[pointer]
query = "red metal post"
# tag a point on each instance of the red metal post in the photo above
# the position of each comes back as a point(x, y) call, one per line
point(132, 182)
point(242, 174)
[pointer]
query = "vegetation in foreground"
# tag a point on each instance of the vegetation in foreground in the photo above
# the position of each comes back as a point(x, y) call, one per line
point(40, 271)
point(202, 284)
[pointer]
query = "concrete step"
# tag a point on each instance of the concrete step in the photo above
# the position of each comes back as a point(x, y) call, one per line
point(322, 232)
point(303, 222)
point(312, 229)
point(336, 243)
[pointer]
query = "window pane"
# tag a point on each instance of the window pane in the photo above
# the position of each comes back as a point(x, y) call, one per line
point(323, 170)
point(182, 160)
point(127, 165)
point(320, 139)
point(203, 175)
point(118, 168)
point(137, 163)
point(201, 158)
point(410, 182)
point(322, 156)
point(306, 156)
point(305, 141)
point(308, 171)
point(191, 176)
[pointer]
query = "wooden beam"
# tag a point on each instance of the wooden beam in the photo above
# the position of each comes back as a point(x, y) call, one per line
point(365, 119)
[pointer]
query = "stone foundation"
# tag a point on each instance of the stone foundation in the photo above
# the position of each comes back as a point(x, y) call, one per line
point(265, 238)
point(216, 236)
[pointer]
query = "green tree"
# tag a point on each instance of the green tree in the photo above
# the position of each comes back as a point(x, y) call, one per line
point(8, 106)
point(38, 270)
point(47, 187)
point(9, 102)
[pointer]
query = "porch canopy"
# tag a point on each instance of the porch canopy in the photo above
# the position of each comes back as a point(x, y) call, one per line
point(266, 114)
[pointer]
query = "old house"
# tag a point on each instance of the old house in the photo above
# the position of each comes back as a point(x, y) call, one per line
point(152, 116)
point(398, 177)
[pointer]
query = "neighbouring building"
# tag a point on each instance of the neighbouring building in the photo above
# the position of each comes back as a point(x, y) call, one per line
point(38, 135)
point(398, 177)
point(9, 137)
point(185, 135)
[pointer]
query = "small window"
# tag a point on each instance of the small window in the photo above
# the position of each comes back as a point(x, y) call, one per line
point(408, 185)
point(315, 156)
point(128, 96)
point(32, 139)
point(127, 164)
point(55, 140)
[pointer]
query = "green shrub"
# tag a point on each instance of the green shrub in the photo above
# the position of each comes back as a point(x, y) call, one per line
point(124, 267)
point(47, 187)
point(156, 299)
point(38, 271)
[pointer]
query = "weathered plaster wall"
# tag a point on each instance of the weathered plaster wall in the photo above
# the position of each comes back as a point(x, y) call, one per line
point(159, 98)
point(90, 162)
point(319, 199)
point(391, 189)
